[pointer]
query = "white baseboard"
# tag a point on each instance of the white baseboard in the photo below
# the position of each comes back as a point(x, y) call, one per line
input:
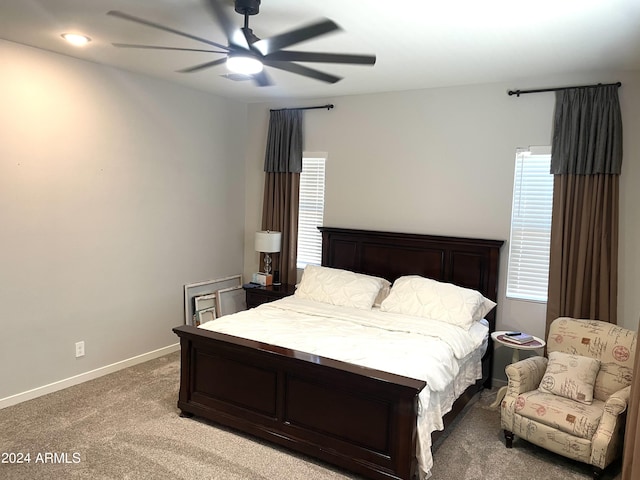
point(84, 377)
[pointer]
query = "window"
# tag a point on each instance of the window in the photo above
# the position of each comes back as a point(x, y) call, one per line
point(311, 209)
point(528, 272)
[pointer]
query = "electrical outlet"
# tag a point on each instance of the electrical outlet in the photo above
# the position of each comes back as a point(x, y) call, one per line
point(80, 349)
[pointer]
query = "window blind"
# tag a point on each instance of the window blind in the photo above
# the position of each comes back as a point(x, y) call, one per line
point(311, 210)
point(528, 270)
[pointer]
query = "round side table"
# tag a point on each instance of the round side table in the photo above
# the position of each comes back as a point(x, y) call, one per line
point(499, 337)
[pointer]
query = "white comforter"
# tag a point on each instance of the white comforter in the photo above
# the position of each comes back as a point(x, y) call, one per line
point(445, 356)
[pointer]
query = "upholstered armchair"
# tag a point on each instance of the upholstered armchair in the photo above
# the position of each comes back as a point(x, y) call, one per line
point(573, 403)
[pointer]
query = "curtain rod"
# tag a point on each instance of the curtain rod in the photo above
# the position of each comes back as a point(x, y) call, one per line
point(328, 106)
point(522, 92)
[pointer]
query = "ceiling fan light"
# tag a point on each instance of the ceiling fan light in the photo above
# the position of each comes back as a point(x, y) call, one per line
point(244, 64)
point(76, 39)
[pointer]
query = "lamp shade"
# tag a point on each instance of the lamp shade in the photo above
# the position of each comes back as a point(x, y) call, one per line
point(267, 241)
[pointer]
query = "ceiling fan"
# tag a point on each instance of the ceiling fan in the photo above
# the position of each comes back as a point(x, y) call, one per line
point(246, 54)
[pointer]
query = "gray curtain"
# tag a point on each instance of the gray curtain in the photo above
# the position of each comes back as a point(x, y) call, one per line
point(284, 142)
point(587, 132)
point(282, 166)
point(586, 159)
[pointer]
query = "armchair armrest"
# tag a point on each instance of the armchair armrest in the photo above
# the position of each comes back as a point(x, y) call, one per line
point(525, 375)
point(607, 441)
point(617, 403)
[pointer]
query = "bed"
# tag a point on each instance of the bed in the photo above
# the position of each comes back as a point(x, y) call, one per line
point(359, 418)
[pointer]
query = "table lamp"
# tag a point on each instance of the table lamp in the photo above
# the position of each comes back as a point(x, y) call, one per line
point(267, 242)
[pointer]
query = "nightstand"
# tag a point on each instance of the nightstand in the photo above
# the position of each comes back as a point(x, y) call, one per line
point(259, 295)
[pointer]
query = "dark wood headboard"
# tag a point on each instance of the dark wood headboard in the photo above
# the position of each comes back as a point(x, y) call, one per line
point(467, 262)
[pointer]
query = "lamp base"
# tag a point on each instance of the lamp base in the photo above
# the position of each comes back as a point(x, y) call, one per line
point(267, 263)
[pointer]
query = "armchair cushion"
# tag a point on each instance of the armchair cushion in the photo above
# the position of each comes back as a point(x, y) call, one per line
point(564, 414)
point(570, 376)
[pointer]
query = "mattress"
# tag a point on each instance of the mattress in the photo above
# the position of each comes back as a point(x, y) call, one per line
point(447, 357)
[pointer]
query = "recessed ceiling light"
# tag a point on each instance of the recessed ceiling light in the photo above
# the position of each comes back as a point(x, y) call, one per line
point(76, 39)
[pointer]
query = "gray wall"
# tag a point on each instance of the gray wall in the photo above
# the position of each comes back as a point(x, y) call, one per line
point(115, 190)
point(441, 161)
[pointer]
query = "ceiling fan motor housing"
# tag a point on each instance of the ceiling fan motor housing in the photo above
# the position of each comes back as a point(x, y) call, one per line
point(247, 7)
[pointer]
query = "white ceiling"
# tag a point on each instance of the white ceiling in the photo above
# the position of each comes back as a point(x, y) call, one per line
point(418, 43)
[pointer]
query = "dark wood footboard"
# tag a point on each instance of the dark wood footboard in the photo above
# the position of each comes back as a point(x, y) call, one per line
point(358, 418)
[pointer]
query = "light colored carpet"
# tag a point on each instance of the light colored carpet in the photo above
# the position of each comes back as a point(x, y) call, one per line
point(126, 426)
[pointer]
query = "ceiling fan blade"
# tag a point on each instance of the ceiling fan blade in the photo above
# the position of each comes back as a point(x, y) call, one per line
point(154, 47)
point(304, 71)
point(289, 56)
point(233, 34)
point(142, 21)
point(202, 66)
point(270, 45)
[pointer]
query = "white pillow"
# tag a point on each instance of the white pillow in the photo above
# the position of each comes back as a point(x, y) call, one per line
point(423, 297)
point(339, 287)
point(570, 376)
